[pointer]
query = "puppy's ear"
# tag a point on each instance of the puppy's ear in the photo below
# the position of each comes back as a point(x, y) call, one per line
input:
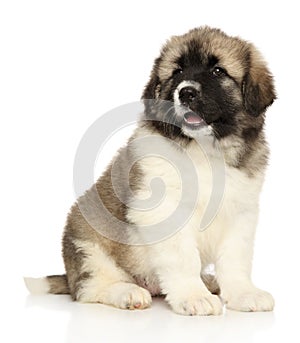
point(257, 87)
point(152, 89)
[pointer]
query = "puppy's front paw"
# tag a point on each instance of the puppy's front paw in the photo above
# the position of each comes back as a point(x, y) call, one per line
point(198, 305)
point(251, 301)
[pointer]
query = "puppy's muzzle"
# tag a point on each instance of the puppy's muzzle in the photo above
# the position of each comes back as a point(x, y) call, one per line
point(187, 95)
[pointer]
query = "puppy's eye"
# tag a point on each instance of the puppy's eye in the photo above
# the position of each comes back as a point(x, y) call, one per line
point(177, 71)
point(218, 71)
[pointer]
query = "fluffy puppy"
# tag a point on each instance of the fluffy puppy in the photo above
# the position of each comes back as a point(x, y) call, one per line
point(204, 113)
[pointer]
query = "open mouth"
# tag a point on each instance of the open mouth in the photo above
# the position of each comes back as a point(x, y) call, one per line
point(193, 120)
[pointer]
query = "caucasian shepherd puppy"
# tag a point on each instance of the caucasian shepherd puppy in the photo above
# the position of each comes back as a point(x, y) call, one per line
point(202, 135)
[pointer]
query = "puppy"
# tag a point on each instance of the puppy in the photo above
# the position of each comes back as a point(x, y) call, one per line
point(199, 154)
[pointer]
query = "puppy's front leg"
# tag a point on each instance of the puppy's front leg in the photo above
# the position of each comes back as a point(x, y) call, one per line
point(177, 264)
point(233, 268)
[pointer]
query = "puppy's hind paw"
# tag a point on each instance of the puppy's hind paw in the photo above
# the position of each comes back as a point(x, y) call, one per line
point(129, 296)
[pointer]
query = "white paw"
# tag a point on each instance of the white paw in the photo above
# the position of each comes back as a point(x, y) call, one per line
point(129, 296)
point(198, 305)
point(251, 301)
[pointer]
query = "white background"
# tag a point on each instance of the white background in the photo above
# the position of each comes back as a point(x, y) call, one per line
point(62, 65)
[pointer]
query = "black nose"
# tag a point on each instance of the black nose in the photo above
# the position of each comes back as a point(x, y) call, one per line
point(187, 95)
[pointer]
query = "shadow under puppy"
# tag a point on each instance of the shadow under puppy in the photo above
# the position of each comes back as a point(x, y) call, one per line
point(208, 96)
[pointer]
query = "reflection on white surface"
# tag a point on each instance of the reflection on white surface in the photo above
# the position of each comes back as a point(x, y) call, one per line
point(99, 323)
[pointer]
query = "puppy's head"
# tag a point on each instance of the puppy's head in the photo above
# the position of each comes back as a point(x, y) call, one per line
point(213, 84)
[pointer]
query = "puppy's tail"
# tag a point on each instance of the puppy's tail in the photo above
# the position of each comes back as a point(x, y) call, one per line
point(53, 284)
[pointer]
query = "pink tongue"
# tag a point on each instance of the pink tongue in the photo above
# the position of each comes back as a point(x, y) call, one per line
point(192, 118)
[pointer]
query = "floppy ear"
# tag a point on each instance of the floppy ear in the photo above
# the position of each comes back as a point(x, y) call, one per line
point(257, 87)
point(152, 89)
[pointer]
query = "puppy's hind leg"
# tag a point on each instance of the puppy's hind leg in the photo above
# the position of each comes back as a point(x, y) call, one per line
point(100, 280)
point(124, 295)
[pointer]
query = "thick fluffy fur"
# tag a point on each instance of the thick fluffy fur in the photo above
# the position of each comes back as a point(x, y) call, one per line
point(232, 89)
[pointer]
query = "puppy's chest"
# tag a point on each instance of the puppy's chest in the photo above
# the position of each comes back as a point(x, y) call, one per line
point(196, 173)
point(194, 182)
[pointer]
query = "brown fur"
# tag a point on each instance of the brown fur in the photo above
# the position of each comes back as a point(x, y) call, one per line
point(247, 149)
point(58, 284)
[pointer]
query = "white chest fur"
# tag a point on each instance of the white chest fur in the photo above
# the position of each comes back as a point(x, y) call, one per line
point(183, 182)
